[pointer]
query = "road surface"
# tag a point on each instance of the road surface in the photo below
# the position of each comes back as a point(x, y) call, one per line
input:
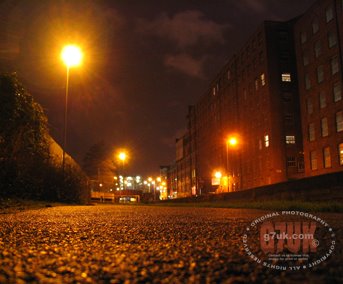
point(143, 244)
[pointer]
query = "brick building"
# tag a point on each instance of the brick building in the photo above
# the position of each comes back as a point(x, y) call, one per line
point(318, 44)
point(281, 95)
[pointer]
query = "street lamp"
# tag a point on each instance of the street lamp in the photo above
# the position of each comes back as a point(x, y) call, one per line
point(231, 142)
point(72, 57)
point(122, 156)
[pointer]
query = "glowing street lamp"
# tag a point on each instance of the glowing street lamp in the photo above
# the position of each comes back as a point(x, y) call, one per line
point(122, 156)
point(231, 142)
point(72, 57)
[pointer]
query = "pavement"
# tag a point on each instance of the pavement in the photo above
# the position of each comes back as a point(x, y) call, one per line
point(144, 244)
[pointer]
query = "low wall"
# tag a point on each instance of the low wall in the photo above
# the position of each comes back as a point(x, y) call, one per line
point(318, 188)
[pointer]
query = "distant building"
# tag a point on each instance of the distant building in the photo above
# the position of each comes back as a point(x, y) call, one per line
point(281, 97)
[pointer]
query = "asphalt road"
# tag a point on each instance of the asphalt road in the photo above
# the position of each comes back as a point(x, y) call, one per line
point(140, 244)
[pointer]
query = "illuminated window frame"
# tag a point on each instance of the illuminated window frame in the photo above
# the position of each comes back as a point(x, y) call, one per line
point(286, 77)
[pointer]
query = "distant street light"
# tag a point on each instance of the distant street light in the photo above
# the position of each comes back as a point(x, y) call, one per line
point(231, 142)
point(122, 156)
point(218, 175)
point(72, 57)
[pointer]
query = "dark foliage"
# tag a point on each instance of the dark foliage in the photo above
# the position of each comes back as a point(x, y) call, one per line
point(26, 168)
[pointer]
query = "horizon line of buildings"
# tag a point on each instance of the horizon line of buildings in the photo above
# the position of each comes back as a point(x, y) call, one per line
point(280, 96)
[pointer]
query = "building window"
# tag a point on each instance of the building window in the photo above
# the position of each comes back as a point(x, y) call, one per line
point(260, 144)
point(289, 119)
point(322, 100)
point(286, 77)
point(228, 74)
point(309, 106)
point(339, 121)
point(324, 127)
point(263, 79)
point(340, 153)
point(305, 60)
point(313, 160)
point(291, 162)
point(329, 14)
point(290, 139)
point(303, 37)
point(334, 65)
point(266, 141)
point(327, 157)
point(307, 82)
point(256, 84)
point(337, 92)
point(317, 49)
point(332, 39)
point(320, 74)
point(315, 27)
point(311, 132)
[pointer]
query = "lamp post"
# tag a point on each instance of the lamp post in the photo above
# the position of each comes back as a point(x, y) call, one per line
point(122, 156)
point(71, 56)
point(232, 141)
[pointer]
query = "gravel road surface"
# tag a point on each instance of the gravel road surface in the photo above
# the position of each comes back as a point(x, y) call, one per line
point(143, 244)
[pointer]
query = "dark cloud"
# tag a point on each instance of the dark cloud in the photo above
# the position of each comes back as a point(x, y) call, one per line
point(186, 64)
point(185, 29)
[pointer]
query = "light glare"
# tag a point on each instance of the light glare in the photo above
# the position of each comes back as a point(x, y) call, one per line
point(71, 55)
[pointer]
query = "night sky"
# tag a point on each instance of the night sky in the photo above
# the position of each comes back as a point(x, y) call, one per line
point(144, 62)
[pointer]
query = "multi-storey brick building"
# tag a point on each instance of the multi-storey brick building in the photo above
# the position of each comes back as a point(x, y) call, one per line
point(318, 44)
point(256, 97)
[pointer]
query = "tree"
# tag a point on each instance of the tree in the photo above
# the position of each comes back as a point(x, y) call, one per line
point(98, 163)
point(23, 137)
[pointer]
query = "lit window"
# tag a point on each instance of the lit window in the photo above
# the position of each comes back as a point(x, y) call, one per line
point(339, 121)
point(291, 162)
point(327, 157)
point(309, 106)
point(324, 127)
point(303, 37)
point(334, 65)
point(214, 91)
point(315, 27)
point(266, 141)
point(313, 160)
point(332, 39)
point(337, 92)
point(290, 139)
point(307, 82)
point(263, 79)
point(320, 74)
point(311, 132)
point(286, 77)
point(329, 13)
point(317, 49)
point(340, 153)
point(322, 100)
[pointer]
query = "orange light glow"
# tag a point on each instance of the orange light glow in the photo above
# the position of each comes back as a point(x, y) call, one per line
point(217, 174)
point(232, 141)
point(71, 55)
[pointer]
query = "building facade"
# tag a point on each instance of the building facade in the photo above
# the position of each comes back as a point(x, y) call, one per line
point(318, 43)
point(280, 96)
